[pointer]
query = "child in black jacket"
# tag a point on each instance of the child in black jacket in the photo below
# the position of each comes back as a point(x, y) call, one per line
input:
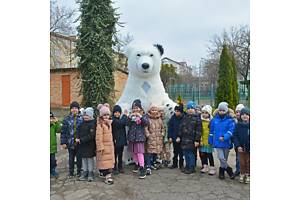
point(242, 143)
point(119, 136)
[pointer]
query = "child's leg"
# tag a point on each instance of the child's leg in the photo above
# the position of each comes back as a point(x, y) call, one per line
point(78, 161)
point(84, 164)
point(116, 157)
point(203, 157)
point(222, 158)
point(71, 161)
point(211, 159)
point(237, 161)
point(242, 162)
point(90, 163)
point(135, 158)
point(120, 157)
point(248, 163)
point(140, 157)
point(193, 160)
point(148, 159)
point(176, 153)
point(52, 162)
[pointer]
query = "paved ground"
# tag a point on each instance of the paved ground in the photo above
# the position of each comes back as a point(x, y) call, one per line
point(162, 184)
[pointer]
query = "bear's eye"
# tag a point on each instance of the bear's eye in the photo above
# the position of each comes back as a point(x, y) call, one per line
point(151, 55)
point(138, 55)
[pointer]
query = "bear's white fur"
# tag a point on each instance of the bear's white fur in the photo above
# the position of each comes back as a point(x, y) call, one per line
point(145, 83)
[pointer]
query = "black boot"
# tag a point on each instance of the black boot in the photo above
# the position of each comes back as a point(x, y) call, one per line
point(230, 172)
point(221, 173)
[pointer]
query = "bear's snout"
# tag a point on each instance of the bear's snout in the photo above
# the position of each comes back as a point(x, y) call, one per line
point(145, 65)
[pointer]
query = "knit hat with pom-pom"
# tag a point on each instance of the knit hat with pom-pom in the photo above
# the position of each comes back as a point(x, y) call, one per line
point(103, 109)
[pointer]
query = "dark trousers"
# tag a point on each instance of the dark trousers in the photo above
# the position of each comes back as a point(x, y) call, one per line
point(177, 150)
point(205, 157)
point(237, 160)
point(196, 156)
point(105, 171)
point(72, 153)
point(150, 159)
point(52, 162)
point(119, 157)
point(189, 156)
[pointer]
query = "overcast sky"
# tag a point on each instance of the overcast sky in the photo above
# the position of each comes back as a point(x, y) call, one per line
point(183, 27)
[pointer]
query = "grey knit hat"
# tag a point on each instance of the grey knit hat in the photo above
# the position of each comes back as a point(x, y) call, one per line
point(89, 112)
point(223, 106)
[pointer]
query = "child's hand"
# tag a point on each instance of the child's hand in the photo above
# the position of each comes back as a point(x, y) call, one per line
point(240, 149)
point(126, 112)
point(201, 143)
point(196, 144)
point(221, 139)
point(170, 140)
point(77, 140)
point(178, 140)
point(64, 146)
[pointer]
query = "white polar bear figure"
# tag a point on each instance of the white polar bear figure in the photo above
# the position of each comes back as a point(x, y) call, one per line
point(144, 82)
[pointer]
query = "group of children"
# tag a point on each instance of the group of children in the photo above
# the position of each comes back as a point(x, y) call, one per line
point(149, 137)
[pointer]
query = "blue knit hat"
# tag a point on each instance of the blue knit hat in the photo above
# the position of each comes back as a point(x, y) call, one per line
point(191, 105)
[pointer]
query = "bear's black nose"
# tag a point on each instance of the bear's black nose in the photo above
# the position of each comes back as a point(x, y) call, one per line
point(145, 65)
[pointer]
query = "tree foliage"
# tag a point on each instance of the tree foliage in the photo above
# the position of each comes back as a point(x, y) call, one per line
point(227, 81)
point(94, 48)
point(167, 74)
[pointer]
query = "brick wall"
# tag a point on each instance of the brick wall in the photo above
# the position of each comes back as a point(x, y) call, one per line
point(56, 86)
point(75, 82)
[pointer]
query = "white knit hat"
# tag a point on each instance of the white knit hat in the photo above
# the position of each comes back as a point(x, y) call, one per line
point(207, 108)
point(89, 112)
point(239, 107)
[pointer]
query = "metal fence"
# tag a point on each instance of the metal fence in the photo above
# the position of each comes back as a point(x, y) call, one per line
point(199, 95)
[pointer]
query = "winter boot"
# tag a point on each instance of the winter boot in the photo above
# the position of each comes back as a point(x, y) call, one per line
point(148, 171)
point(83, 176)
point(242, 178)
point(188, 171)
point(230, 172)
point(135, 168)
point(212, 171)
point(108, 179)
point(221, 173)
point(121, 170)
point(247, 178)
point(90, 176)
point(142, 173)
point(204, 169)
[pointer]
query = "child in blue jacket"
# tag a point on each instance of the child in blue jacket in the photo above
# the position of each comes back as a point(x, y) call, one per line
point(221, 130)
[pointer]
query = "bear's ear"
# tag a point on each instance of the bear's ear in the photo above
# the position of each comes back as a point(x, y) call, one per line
point(160, 48)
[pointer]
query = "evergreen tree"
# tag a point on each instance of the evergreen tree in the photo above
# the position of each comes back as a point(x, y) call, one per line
point(94, 48)
point(224, 88)
point(235, 93)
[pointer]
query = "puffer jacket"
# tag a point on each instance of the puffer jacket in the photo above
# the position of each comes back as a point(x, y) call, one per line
point(87, 134)
point(68, 133)
point(190, 131)
point(104, 143)
point(241, 136)
point(173, 126)
point(154, 134)
point(221, 127)
point(119, 130)
point(205, 131)
point(136, 132)
point(54, 128)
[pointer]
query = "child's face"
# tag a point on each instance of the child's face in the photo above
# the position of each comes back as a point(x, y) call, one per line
point(221, 112)
point(117, 114)
point(205, 114)
point(154, 111)
point(136, 109)
point(237, 114)
point(106, 116)
point(86, 118)
point(74, 110)
point(177, 113)
point(245, 118)
point(191, 111)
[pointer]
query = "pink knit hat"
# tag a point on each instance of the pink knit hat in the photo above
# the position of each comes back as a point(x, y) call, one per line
point(103, 109)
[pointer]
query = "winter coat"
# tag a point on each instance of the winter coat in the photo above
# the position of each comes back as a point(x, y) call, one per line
point(119, 131)
point(68, 133)
point(104, 142)
point(136, 132)
point(190, 131)
point(173, 126)
point(87, 134)
point(205, 132)
point(54, 128)
point(221, 127)
point(154, 134)
point(241, 136)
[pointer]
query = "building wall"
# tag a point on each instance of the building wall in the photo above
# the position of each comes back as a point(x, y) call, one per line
point(56, 87)
point(75, 84)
